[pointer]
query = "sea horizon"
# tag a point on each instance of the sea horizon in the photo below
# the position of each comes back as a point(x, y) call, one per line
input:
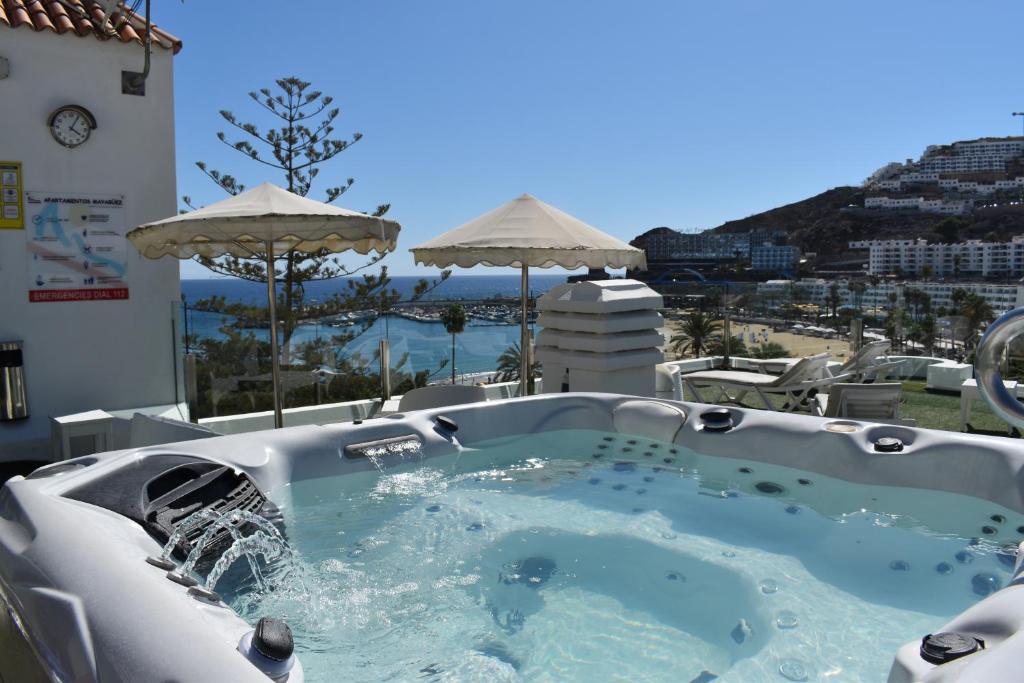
point(456, 287)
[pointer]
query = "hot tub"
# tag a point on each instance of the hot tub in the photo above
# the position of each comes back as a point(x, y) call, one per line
point(561, 537)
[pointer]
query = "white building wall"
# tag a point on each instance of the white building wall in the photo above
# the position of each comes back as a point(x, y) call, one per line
point(1002, 298)
point(988, 259)
point(91, 354)
point(919, 177)
point(945, 206)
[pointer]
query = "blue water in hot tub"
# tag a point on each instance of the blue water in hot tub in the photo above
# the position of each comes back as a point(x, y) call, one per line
point(586, 556)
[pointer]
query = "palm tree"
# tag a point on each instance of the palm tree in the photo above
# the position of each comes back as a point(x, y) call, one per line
point(834, 299)
point(737, 347)
point(454, 320)
point(509, 364)
point(918, 302)
point(695, 333)
point(923, 332)
point(977, 311)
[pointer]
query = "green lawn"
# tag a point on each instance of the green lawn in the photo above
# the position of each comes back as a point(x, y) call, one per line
point(942, 411)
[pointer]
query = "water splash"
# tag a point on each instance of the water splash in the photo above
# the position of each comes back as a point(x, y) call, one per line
point(184, 526)
point(218, 520)
point(257, 543)
point(404, 448)
point(229, 521)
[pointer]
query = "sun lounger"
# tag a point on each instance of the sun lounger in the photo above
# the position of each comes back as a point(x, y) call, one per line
point(870, 402)
point(868, 364)
point(796, 386)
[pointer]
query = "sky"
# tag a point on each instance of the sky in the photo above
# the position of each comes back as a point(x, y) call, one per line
point(626, 115)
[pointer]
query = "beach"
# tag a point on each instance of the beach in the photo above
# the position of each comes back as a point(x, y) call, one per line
point(796, 345)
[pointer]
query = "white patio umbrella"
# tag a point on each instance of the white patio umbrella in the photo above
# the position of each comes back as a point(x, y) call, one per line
point(527, 232)
point(265, 221)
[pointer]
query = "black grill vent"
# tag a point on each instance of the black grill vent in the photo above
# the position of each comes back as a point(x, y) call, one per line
point(159, 491)
point(218, 489)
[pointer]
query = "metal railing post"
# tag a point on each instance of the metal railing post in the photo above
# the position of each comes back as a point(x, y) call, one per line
point(191, 387)
point(385, 369)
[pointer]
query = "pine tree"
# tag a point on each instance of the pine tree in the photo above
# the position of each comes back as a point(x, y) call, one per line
point(298, 143)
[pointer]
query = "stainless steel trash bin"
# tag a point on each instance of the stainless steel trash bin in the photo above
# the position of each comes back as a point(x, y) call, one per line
point(13, 401)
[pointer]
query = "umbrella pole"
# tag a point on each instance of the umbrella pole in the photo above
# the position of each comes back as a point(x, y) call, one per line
point(275, 369)
point(524, 334)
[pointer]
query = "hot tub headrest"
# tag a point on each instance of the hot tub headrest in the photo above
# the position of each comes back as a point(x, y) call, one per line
point(650, 419)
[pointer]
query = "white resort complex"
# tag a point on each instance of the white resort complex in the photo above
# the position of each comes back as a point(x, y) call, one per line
point(972, 257)
point(279, 430)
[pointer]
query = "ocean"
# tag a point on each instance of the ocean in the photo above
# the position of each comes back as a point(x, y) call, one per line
point(423, 344)
point(455, 287)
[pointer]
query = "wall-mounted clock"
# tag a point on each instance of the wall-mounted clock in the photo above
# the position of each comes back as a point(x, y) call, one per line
point(71, 125)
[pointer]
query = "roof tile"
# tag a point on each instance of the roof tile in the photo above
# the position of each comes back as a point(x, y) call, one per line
point(82, 18)
point(59, 17)
point(40, 18)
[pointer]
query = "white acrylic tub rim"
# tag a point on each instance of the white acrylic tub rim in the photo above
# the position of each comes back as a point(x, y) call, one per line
point(76, 574)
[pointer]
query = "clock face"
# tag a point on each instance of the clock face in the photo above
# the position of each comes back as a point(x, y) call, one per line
point(70, 126)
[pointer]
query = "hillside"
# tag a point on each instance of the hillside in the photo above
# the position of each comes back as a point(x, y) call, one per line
point(819, 225)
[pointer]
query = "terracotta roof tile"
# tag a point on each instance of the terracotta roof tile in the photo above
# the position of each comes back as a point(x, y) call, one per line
point(59, 17)
point(73, 17)
point(41, 19)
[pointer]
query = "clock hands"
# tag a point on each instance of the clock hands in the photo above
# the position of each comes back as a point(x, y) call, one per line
point(70, 125)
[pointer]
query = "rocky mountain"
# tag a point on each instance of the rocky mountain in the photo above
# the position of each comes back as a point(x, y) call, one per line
point(826, 223)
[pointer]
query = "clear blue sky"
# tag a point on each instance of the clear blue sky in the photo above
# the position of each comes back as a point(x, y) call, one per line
point(626, 115)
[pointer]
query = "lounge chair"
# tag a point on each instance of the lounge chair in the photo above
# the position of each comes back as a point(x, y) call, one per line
point(870, 402)
point(868, 364)
point(797, 385)
point(440, 395)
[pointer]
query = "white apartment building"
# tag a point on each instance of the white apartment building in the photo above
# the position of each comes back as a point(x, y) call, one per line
point(919, 177)
point(971, 156)
point(1002, 298)
point(952, 207)
point(1005, 147)
point(956, 164)
point(986, 155)
point(951, 184)
point(973, 257)
point(890, 170)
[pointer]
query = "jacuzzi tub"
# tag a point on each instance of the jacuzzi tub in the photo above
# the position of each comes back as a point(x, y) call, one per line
point(88, 606)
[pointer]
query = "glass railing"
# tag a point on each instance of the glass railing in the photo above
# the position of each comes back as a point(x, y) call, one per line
point(337, 358)
point(795, 321)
